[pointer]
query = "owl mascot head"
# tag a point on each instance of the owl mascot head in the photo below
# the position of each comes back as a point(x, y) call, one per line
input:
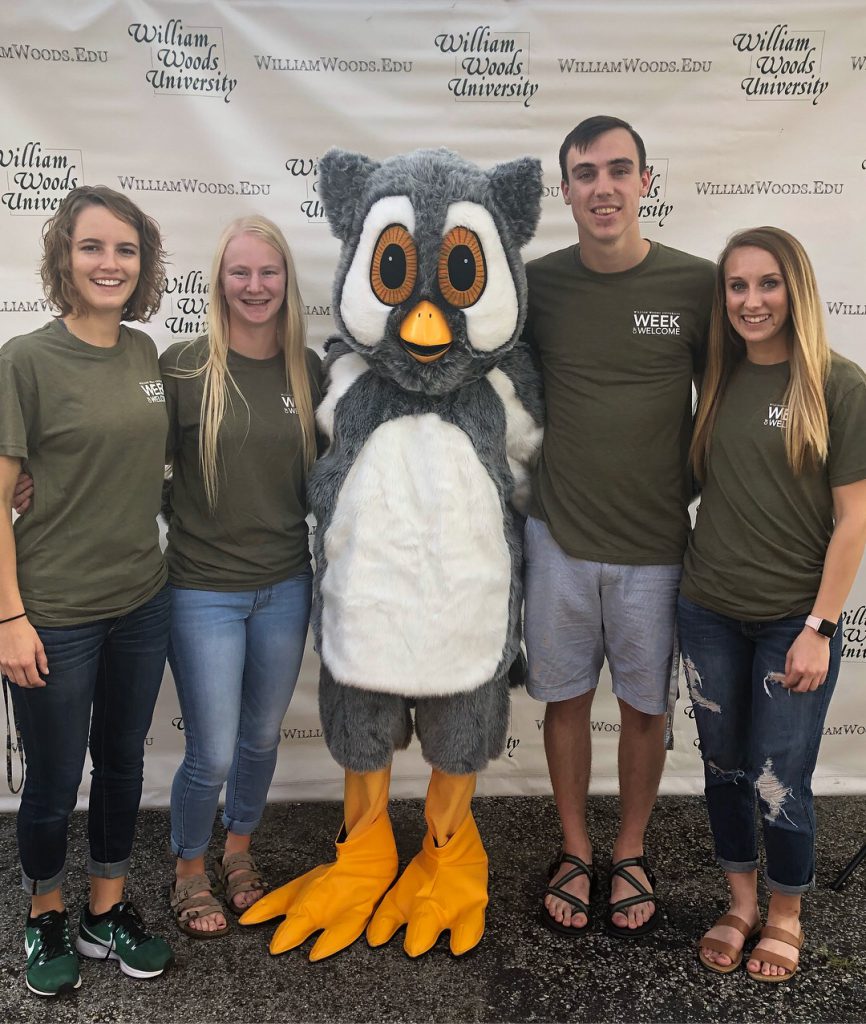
point(433, 416)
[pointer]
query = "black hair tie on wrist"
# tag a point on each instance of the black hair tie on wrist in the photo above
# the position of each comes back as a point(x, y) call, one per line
point(12, 618)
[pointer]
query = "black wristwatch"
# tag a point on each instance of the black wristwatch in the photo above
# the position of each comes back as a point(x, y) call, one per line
point(823, 626)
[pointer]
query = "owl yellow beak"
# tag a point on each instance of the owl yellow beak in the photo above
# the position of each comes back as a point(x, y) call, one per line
point(425, 333)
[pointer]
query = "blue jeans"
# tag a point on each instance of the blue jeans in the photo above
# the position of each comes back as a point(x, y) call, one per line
point(235, 658)
point(103, 680)
point(759, 741)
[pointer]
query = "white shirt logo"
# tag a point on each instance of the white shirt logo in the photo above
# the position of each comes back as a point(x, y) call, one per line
point(653, 322)
point(153, 391)
point(777, 416)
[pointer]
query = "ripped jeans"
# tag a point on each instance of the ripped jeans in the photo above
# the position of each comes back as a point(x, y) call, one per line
point(759, 741)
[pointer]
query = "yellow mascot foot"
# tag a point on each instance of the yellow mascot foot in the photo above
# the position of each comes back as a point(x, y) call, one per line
point(337, 898)
point(443, 888)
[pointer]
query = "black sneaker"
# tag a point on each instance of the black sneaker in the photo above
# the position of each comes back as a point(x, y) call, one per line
point(120, 934)
point(52, 966)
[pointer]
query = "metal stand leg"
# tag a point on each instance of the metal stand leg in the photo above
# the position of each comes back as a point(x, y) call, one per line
point(849, 869)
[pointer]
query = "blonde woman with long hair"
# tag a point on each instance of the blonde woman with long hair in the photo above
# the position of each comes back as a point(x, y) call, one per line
point(241, 439)
point(780, 449)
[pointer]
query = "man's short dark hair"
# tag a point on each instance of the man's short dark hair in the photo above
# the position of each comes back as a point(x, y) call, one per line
point(589, 130)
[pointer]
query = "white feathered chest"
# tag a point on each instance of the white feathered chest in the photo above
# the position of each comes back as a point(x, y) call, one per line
point(416, 594)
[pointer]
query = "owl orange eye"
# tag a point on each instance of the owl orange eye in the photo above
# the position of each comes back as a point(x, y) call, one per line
point(462, 270)
point(395, 266)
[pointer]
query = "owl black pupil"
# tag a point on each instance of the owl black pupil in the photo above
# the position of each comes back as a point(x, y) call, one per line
point(461, 268)
point(393, 267)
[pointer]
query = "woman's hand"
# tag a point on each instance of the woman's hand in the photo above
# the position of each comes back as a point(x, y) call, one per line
point(807, 662)
point(23, 493)
point(22, 656)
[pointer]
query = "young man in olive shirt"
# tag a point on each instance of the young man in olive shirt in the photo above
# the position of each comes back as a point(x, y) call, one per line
point(619, 325)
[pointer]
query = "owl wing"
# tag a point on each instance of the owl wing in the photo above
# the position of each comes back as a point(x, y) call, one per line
point(341, 368)
point(517, 382)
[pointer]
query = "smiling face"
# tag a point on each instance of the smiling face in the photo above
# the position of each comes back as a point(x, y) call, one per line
point(756, 300)
point(105, 260)
point(253, 280)
point(604, 189)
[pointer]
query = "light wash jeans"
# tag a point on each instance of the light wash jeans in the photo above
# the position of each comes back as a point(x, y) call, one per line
point(235, 657)
point(759, 741)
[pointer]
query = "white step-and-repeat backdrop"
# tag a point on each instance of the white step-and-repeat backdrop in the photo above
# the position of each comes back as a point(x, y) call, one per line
point(752, 113)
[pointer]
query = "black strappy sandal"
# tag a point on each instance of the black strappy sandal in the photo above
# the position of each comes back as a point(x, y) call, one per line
point(580, 868)
point(643, 895)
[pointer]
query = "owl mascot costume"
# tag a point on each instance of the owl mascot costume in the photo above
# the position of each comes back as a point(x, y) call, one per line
point(433, 415)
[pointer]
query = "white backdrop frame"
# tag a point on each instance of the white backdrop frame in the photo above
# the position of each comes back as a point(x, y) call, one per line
point(203, 111)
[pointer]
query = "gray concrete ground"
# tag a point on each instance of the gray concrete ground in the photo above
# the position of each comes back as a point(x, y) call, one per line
point(520, 972)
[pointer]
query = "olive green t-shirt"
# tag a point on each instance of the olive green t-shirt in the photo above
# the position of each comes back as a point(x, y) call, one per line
point(90, 425)
point(257, 534)
point(758, 547)
point(618, 354)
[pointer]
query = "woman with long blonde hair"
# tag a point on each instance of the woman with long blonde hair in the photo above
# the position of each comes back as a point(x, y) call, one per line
point(241, 439)
point(780, 449)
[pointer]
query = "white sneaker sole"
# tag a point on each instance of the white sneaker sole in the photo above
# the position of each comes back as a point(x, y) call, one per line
point(96, 951)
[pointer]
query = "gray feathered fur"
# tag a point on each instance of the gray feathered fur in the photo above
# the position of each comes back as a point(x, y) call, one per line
point(459, 732)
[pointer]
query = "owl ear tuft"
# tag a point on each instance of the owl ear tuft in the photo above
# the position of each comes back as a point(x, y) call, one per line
point(516, 189)
point(343, 177)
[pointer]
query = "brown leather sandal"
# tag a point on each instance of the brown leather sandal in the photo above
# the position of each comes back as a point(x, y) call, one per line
point(769, 931)
point(246, 877)
point(192, 898)
point(719, 946)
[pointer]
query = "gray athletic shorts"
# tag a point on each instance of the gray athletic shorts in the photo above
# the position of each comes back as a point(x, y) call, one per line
point(578, 613)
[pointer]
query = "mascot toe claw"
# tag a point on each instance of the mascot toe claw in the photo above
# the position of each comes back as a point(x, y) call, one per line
point(292, 932)
point(339, 936)
point(263, 910)
point(467, 934)
point(423, 930)
point(279, 902)
point(385, 922)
